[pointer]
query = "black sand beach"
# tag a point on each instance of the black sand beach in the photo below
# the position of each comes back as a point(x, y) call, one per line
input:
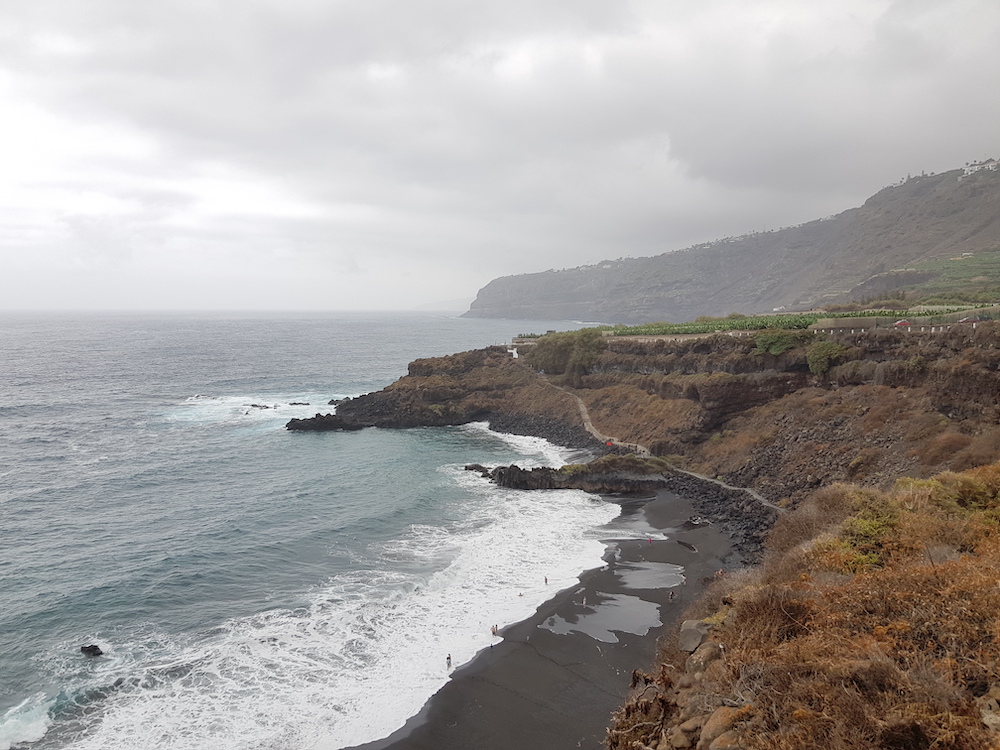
point(549, 685)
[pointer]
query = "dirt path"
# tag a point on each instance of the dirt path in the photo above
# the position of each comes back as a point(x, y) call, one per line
point(642, 450)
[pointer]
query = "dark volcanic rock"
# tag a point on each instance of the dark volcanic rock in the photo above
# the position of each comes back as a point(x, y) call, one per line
point(91, 650)
point(323, 422)
point(554, 430)
point(735, 510)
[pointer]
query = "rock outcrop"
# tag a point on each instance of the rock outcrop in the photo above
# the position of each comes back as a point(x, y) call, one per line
point(323, 423)
point(893, 404)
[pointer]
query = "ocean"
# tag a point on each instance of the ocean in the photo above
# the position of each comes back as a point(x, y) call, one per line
point(252, 587)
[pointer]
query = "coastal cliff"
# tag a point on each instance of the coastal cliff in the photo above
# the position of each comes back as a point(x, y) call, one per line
point(748, 410)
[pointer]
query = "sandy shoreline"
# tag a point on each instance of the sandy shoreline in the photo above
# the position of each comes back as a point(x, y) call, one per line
point(549, 685)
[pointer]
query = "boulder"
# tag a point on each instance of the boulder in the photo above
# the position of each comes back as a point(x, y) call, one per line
point(719, 723)
point(727, 741)
point(704, 655)
point(693, 634)
point(92, 650)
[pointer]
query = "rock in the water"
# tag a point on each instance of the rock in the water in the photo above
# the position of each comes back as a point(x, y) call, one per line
point(92, 650)
point(323, 422)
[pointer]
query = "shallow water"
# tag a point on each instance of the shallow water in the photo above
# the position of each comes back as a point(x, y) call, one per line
point(251, 587)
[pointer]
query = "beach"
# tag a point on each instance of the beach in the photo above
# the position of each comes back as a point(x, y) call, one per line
point(554, 679)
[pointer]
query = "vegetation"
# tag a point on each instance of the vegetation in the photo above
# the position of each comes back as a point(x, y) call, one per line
point(790, 321)
point(778, 341)
point(873, 623)
point(821, 355)
point(965, 279)
point(571, 353)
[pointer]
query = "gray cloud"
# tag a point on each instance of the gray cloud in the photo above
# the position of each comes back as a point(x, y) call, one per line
point(390, 153)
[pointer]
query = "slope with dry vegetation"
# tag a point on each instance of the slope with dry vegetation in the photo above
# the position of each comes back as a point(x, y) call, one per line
point(874, 622)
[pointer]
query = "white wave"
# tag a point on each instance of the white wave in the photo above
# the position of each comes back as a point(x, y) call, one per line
point(250, 410)
point(28, 721)
point(370, 648)
point(536, 451)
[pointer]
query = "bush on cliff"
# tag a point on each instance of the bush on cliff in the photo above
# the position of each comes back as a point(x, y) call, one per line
point(822, 355)
point(572, 353)
point(779, 341)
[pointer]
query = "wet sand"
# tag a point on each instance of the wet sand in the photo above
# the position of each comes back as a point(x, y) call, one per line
point(554, 679)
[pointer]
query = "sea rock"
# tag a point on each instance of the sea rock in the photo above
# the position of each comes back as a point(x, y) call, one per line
point(678, 739)
point(694, 724)
point(322, 423)
point(92, 650)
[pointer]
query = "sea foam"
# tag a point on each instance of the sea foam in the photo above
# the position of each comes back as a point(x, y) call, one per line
point(370, 647)
point(26, 722)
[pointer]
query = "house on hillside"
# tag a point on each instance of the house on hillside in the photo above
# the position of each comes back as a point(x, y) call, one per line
point(989, 164)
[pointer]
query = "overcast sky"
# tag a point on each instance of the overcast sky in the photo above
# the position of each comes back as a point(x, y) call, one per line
point(388, 154)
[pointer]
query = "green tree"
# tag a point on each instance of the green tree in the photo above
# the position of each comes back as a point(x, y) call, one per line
point(821, 355)
point(571, 352)
point(776, 341)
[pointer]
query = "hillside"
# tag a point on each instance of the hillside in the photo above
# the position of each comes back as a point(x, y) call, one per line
point(871, 249)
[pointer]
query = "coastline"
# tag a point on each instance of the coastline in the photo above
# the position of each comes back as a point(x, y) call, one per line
point(538, 687)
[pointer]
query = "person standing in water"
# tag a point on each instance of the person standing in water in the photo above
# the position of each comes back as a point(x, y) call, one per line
point(449, 661)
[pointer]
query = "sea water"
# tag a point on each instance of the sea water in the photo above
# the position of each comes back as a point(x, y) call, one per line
point(251, 587)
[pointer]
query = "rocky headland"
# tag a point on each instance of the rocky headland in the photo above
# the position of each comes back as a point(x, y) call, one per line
point(748, 410)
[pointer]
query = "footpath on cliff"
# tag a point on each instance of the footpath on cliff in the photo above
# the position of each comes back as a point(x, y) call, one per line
point(642, 450)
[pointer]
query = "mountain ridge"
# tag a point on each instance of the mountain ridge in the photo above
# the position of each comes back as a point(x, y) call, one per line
point(835, 259)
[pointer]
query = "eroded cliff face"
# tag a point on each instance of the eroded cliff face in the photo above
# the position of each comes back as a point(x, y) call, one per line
point(895, 404)
point(485, 385)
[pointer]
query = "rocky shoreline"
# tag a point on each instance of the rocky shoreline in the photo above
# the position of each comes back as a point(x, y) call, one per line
point(734, 510)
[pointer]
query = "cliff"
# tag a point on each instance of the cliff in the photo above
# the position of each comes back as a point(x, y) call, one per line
point(855, 254)
point(891, 404)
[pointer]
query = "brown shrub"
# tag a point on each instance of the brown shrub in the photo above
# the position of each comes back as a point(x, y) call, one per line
point(893, 657)
point(943, 447)
point(818, 513)
point(984, 449)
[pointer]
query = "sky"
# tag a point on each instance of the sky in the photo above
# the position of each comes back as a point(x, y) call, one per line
point(398, 154)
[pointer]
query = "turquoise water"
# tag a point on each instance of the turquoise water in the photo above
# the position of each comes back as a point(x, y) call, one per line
point(251, 587)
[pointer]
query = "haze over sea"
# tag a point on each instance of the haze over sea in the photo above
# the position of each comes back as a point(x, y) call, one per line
point(251, 587)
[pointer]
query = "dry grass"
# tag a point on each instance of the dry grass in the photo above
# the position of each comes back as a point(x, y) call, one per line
point(873, 623)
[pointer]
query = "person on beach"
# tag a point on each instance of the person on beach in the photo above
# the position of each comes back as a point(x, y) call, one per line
point(448, 661)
